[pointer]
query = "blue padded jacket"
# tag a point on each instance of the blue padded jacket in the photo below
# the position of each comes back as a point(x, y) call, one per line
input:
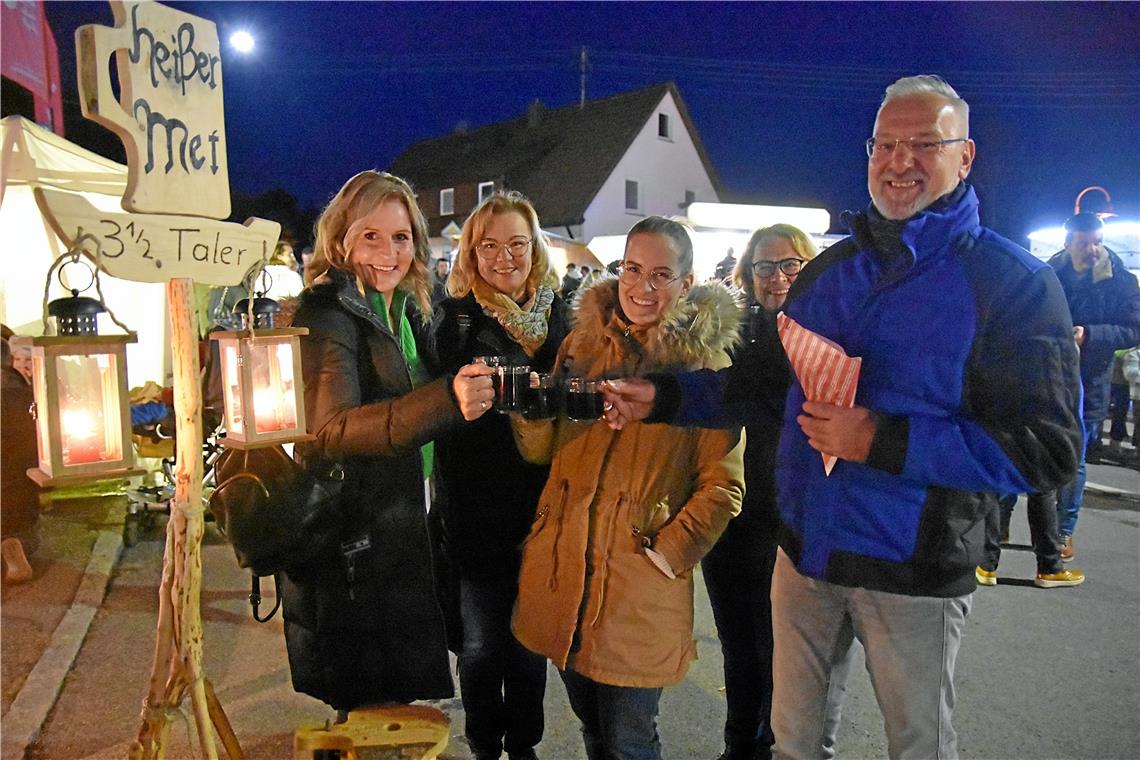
point(970, 368)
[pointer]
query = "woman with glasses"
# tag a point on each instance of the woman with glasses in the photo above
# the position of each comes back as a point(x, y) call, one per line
point(606, 588)
point(501, 304)
point(362, 623)
point(738, 570)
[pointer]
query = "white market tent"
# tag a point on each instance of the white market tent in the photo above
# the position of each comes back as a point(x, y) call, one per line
point(35, 157)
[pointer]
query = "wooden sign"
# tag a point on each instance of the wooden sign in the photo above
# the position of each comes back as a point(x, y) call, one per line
point(157, 248)
point(169, 114)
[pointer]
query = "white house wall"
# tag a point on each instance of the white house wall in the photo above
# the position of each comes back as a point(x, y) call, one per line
point(664, 170)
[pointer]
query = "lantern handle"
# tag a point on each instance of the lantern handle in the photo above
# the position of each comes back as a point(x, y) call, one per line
point(72, 256)
point(250, 283)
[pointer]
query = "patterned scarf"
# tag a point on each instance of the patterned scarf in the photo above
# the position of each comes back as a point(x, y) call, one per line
point(526, 324)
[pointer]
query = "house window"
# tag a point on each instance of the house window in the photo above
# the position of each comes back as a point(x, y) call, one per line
point(690, 198)
point(485, 190)
point(632, 201)
point(664, 128)
point(447, 201)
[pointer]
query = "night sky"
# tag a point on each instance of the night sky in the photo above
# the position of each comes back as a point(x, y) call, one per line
point(783, 94)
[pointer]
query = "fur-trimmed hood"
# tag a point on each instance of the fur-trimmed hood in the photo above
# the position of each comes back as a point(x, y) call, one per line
point(697, 331)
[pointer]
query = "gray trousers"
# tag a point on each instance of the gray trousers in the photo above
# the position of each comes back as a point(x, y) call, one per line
point(911, 645)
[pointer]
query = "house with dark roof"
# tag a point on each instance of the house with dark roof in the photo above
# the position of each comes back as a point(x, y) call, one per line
point(591, 169)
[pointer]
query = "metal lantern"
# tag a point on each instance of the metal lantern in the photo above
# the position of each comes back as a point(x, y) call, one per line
point(262, 387)
point(79, 380)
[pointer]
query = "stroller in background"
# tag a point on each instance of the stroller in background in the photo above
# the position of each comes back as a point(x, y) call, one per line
point(153, 434)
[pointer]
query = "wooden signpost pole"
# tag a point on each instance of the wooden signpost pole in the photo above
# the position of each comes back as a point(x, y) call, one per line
point(178, 647)
point(170, 117)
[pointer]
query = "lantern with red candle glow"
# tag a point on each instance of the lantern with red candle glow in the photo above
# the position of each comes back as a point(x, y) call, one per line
point(79, 380)
point(262, 387)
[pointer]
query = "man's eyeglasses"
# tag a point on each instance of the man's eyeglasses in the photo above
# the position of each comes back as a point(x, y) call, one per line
point(879, 148)
point(766, 269)
point(516, 249)
point(629, 274)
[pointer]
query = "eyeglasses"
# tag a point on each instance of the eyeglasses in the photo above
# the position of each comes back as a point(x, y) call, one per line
point(516, 249)
point(766, 269)
point(630, 274)
point(877, 148)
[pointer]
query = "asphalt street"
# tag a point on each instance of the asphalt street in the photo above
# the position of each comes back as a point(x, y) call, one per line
point(1042, 673)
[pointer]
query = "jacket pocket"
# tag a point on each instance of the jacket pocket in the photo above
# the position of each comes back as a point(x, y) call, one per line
point(646, 520)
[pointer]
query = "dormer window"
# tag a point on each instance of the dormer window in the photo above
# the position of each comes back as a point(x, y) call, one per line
point(486, 189)
point(447, 201)
point(664, 126)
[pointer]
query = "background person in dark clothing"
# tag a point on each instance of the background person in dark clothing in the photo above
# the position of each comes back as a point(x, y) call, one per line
point(501, 304)
point(19, 495)
point(1105, 304)
point(571, 280)
point(738, 569)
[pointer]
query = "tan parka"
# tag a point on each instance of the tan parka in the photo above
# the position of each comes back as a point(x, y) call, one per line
point(590, 599)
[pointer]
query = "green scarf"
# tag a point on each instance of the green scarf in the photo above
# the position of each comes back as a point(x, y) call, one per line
point(407, 340)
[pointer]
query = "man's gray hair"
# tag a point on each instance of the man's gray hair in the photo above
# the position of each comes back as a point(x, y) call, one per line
point(929, 83)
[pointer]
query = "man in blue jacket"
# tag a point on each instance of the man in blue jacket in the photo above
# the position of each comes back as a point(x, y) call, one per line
point(1104, 302)
point(967, 391)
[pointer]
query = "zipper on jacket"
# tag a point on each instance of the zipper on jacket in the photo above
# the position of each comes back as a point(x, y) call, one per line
point(552, 581)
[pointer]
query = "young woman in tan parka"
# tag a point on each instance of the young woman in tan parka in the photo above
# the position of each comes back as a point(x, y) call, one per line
point(606, 586)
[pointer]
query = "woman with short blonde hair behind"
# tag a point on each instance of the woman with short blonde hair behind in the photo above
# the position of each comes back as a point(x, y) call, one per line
point(738, 570)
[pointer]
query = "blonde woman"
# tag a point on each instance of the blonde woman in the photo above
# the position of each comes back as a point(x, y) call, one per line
point(501, 304)
point(362, 624)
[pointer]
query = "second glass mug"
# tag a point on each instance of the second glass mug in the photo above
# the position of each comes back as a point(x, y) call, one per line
point(583, 399)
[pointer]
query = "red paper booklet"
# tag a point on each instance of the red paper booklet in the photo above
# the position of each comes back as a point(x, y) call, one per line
point(824, 369)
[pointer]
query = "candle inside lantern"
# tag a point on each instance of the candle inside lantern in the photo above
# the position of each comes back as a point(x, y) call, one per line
point(274, 402)
point(80, 443)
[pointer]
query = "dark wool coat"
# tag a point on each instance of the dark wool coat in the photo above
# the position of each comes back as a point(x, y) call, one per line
point(368, 628)
point(487, 491)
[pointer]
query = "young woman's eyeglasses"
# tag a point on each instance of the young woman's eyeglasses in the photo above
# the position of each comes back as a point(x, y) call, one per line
point(516, 248)
point(790, 267)
point(877, 148)
point(630, 274)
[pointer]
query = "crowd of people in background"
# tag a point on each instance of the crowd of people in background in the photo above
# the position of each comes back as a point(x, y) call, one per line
point(515, 542)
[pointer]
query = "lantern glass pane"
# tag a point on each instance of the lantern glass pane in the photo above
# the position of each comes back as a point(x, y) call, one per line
point(274, 399)
point(90, 427)
point(231, 378)
point(39, 390)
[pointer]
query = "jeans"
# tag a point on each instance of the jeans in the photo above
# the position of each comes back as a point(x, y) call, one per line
point(911, 645)
point(1069, 496)
point(618, 722)
point(1041, 508)
point(501, 682)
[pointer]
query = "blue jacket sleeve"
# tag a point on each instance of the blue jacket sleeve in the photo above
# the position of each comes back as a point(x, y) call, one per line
point(1018, 430)
point(749, 392)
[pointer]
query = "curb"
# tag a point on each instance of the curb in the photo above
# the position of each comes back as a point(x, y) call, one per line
point(29, 710)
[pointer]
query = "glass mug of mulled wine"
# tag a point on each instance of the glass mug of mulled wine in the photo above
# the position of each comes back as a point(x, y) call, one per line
point(542, 400)
point(511, 383)
point(583, 399)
